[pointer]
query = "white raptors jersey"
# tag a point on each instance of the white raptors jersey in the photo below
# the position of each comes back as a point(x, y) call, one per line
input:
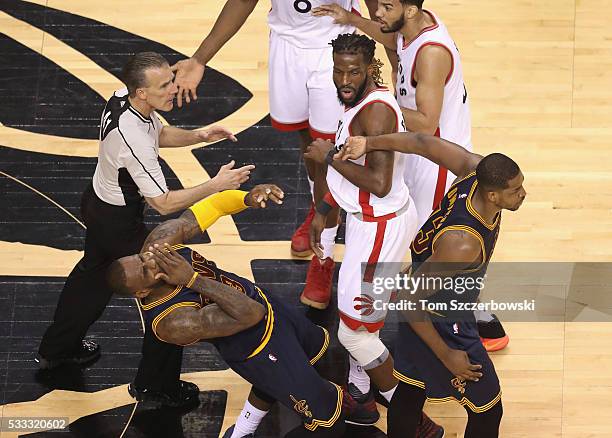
point(455, 124)
point(350, 197)
point(293, 21)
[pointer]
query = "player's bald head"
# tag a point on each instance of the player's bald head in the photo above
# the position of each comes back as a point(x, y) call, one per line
point(116, 277)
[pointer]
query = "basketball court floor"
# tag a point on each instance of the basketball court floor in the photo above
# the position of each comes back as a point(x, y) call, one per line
point(539, 76)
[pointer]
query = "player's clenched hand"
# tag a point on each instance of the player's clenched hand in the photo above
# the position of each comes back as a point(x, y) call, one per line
point(458, 363)
point(189, 73)
point(215, 133)
point(316, 228)
point(353, 148)
point(317, 150)
point(229, 178)
point(259, 194)
point(337, 12)
point(175, 269)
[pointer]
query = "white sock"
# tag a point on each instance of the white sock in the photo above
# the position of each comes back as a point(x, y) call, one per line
point(358, 376)
point(248, 420)
point(483, 316)
point(388, 395)
point(311, 185)
point(328, 240)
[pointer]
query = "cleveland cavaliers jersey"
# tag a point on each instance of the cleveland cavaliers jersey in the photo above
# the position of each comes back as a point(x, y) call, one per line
point(456, 213)
point(294, 22)
point(351, 198)
point(455, 123)
point(235, 347)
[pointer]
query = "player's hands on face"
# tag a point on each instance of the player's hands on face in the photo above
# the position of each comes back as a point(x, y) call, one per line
point(175, 269)
point(188, 75)
point(337, 12)
point(458, 363)
point(261, 193)
point(229, 178)
point(317, 150)
point(215, 133)
point(353, 148)
point(316, 228)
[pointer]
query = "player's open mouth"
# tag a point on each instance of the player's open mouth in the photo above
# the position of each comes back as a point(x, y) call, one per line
point(347, 93)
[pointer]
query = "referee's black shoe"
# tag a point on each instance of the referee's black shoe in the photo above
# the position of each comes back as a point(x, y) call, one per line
point(187, 396)
point(89, 351)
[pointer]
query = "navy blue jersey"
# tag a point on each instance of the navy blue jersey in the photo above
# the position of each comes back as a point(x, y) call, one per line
point(235, 347)
point(276, 355)
point(456, 212)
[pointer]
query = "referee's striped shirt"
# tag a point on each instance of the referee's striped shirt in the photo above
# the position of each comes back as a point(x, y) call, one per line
point(128, 167)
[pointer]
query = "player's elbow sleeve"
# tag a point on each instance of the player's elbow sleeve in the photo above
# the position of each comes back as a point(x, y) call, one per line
point(208, 210)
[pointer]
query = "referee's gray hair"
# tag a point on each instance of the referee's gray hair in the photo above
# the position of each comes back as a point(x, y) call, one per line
point(133, 73)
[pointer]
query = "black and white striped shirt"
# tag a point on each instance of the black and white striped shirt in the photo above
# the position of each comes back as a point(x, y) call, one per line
point(128, 167)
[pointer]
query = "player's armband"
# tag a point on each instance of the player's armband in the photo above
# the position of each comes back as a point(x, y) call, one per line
point(327, 204)
point(208, 210)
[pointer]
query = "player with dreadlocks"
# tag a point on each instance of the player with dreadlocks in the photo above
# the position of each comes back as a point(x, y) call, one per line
point(381, 222)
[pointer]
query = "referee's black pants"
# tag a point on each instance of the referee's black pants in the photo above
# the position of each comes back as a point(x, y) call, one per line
point(112, 232)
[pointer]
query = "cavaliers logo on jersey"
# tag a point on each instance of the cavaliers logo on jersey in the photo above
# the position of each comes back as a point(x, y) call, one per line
point(301, 407)
point(459, 385)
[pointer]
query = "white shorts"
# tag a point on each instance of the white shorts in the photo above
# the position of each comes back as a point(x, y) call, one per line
point(373, 243)
point(302, 90)
point(427, 183)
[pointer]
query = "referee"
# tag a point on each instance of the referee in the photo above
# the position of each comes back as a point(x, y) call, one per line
point(127, 176)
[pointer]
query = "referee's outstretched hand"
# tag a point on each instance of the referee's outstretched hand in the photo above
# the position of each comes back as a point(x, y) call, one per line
point(174, 269)
point(229, 178)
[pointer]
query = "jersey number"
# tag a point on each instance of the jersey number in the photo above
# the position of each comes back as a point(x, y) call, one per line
point(464, 94)
point(302, 6)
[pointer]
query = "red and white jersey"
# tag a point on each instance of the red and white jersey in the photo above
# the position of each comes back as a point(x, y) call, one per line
point(455, 123)
point(293, 21)
point(350, 197)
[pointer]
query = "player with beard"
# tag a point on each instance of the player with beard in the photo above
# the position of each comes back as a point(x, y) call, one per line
point(439, 356)
point(186, 298)
point(430, 90)
point(381, 221)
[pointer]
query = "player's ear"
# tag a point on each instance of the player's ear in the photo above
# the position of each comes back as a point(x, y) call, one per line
point(411, 11)
point(142, 293)
point(371, 70)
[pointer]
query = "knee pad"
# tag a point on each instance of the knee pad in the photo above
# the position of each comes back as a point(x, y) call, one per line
point(367, 348)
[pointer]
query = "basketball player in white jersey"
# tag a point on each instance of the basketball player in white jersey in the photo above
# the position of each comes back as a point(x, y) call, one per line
point(302, 96)
point(431, 91)
point(381, 220)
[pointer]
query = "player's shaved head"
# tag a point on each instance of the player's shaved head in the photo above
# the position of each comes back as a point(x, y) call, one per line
point(133, 73)
point(116, 277)
point(133, 275)
point(495, 171)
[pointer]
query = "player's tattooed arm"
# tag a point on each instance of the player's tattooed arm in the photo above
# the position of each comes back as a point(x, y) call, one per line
point(187, 226)
point(440, 151)
point(231, 312)
point(377, 175)
point(454, 251)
